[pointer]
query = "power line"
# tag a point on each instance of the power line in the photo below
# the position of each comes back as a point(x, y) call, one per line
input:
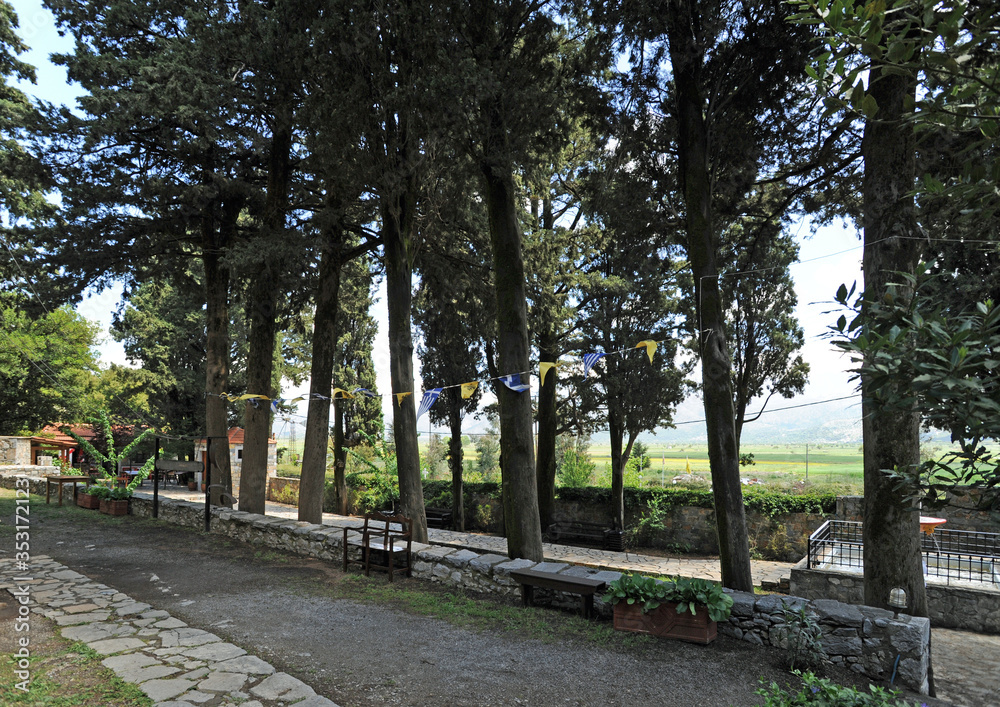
point(789, 407)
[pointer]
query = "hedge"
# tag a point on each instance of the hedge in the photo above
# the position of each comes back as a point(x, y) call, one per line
point(766, 501)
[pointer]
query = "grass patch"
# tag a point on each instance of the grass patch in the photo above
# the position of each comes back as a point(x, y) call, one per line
point(66, 674)
point(478, 613)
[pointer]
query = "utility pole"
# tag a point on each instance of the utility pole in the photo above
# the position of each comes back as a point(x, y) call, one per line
point(807, 461)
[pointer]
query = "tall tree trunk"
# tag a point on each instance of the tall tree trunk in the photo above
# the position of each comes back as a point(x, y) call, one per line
point(891, 532)
point(339, 457)
point(616, 431)
point(397, 225)
point(263, 322)
point(687, 57)
point(456, 458)
point(520, 493)
point(324, 349)
point(217, 347)
point(545, 465)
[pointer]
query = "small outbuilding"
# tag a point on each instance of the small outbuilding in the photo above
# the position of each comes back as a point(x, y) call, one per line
point(235, 436)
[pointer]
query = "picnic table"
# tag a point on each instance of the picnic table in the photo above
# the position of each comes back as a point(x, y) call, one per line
point(59, 481)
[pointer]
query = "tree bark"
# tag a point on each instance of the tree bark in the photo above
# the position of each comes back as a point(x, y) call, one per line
point(217, 347)
point(545, 465)
point(339, 457)
point(312, 485)
point(397, 224)
point(891, 532)
point(456, 458)
point(263, 322)
point(520, 493)
point(616, 431)
point(687, 58)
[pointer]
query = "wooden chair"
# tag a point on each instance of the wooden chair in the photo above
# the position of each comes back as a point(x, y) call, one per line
point(385, 541)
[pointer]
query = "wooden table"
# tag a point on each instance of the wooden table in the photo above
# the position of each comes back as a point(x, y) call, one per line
point(59, 481)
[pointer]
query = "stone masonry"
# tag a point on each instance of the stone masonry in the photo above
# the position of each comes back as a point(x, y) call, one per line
point(174, 664)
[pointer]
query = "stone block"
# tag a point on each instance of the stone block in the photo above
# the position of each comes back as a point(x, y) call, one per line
point(835, 612)
point(505, 568)
point(282, 686)
point(484, 564)
point(460, 559)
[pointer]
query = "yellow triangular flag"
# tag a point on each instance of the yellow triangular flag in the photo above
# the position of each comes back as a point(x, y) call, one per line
point(344, 395)
point(250, 396)
point(544, 367)
point(650, 348)
point(400, 397)
point(688, 464)
point(468, 389)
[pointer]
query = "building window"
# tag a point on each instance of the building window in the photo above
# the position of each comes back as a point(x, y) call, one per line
point(239, 454)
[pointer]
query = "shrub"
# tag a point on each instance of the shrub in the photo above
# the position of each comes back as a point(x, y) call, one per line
point(818, 691)
point(688, 593)
point(804, 638)
point(577, 470)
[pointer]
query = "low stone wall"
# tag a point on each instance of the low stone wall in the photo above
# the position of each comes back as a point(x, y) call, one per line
point(863, 639)
point(949, 606)
point(15, 451)
point(281, 489)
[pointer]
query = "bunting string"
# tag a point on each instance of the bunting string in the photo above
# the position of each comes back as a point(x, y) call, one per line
point(513, 381)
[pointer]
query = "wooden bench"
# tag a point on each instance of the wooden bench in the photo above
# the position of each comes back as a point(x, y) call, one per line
point(579, 532)
point(440, 518)
point(584, 586)
point(384, 541)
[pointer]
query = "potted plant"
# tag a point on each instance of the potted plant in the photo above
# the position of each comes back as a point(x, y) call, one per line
point(685, 608)
point(90, 497)
point(116, 502)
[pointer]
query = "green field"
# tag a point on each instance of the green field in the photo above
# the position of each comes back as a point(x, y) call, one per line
point(831, 467)
point(780, 464)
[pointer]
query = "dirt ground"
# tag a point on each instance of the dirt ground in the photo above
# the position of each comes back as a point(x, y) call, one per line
point(290, 612)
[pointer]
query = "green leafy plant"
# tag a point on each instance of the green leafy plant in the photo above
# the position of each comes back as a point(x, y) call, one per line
point(98, 491)
point(378, 483)
point(804, 638)
point(819, 691)
point(687, 592)
point(119, 494)
point(576, 470)
point(113, 458)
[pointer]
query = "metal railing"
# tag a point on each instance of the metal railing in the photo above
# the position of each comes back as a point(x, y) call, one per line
point(948, 555)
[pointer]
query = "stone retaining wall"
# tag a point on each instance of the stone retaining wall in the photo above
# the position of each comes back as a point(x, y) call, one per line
point(949, 606)
point(15, 451)
point(863, 639)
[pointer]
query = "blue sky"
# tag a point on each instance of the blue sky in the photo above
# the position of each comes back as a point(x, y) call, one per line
point(830, 257)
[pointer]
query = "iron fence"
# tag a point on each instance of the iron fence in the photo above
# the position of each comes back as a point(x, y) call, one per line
point(948, 555)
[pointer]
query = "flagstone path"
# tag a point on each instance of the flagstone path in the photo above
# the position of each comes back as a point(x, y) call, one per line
point(174, 664)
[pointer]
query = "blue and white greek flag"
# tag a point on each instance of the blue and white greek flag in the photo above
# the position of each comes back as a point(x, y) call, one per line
point(365, 392)
point(430, 397)
point(513, 381)
point(590, 360)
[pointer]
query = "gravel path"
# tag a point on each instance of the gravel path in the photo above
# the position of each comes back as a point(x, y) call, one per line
point(369, 654)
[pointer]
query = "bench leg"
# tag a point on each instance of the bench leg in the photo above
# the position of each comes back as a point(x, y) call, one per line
point(588, 605)
point(527, 594)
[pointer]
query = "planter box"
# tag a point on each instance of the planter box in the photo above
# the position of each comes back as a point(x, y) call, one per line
point(85, 500)
point(665, 622)
point(114, 508)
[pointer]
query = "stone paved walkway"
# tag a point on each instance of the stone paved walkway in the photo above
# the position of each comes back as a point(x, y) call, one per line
point(762, 571)
point(174, 664)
